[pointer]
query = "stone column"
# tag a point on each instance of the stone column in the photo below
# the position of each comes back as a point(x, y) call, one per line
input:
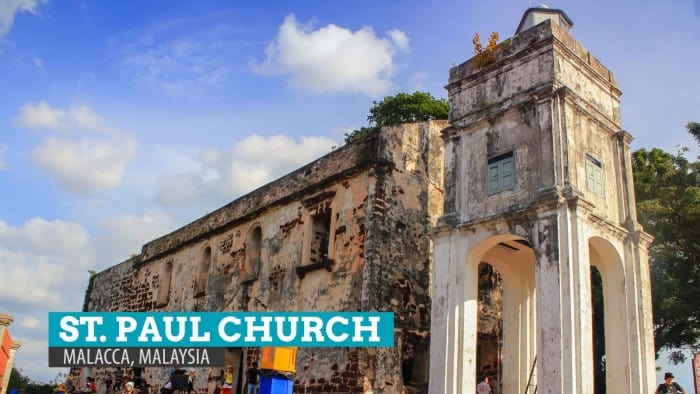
point(639, 309)
point(467, 276)
point(552, 371)
point(564, 356)
point(454, 311)
point(444, 327)
point(582, 313)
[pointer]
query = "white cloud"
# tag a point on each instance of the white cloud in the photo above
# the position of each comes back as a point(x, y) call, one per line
point(29, 322)
point(400, 39)
point(180, 189)
point(124, 235)
point(213, 177)
point(86, 165)
point(9, 8)
point(77, 117)
point(32, 356)
point(80, 164)
point(46, 262)
point(40, 115)
point(45, 268)
point(83, 117)
point(333, 58)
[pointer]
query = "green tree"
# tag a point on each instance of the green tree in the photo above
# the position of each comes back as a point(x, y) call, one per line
point(667, 187)
point(25, 384)
point(17, 380)
point(402, 108)
point(694, 130)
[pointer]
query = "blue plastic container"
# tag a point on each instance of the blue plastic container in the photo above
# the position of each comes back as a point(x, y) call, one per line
point(275, 385)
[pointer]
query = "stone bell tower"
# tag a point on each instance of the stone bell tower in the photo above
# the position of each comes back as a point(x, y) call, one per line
point(538, 185)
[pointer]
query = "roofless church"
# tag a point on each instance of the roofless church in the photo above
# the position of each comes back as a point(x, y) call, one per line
point(489, 236)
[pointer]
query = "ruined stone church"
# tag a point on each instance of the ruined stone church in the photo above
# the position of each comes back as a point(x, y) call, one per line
point(481, 234)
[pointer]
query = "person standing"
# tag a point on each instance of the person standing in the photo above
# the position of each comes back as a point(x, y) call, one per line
point(484, 387)
point(108, 382)
point(213, 381)
point(227, 384)
point(252, 378)
point(118, 376)
point(669, 386)
point(190, 381)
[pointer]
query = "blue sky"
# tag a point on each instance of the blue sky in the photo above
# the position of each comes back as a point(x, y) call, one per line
point(122, 121)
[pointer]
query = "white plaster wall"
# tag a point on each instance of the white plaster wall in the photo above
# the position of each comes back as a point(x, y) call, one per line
point(528, 135)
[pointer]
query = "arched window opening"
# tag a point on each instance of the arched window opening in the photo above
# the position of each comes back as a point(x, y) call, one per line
point(253, 247)
point(414, 363)
point(317, 251)
point(321, 236)
point(490, 326)
point(166, 275)
point(200, 288)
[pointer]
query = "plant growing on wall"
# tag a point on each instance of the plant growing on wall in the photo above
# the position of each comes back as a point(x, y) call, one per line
point(484, 56)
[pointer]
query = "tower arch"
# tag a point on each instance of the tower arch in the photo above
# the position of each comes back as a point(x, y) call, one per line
point(605, 257)
point(512, 257)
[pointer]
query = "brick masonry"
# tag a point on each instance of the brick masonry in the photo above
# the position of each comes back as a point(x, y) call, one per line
point(262, 252)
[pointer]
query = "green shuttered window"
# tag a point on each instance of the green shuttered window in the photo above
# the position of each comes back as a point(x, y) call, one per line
point(594, 175)
point(501, 173)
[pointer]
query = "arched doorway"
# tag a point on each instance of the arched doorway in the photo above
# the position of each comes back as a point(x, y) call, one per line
point(607, 261)
point(505, 310)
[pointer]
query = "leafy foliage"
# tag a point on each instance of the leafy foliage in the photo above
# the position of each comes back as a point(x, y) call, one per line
point(17, 380)
point(694, 130)
point(668, 204)
point(25, 384)
point(402, 108)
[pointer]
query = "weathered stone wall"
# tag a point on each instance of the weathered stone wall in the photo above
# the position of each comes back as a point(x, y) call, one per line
point(496, 109)
point(589, 138)
point(589, 103)
point(261, 252)
point(549, 101)
point(404, 205)
point(112, 290)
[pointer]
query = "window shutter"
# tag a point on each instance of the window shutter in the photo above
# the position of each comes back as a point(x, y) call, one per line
point(507, 174)
point(501, 173)
point(494, 184)
point(598, 181)
point(590, 181)
point(594, 176)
